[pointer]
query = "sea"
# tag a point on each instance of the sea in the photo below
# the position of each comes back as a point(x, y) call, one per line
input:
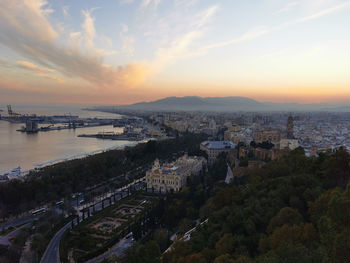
point(36, 150)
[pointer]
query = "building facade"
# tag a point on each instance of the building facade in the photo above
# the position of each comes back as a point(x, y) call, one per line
point(273, 136)
point(290, 144)
point(173, 177)
point(214, 148)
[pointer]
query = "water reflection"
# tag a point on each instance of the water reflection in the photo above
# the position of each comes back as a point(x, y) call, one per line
point(25, 150)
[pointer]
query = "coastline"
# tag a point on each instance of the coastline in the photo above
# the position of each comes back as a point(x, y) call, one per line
point(41, 165)
point(83, 155)
point(37, 150)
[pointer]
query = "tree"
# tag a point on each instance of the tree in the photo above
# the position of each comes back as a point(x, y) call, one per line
point(147, 253)
point(225, 245)
point(197, 257)
point(226, 258)
point(162, 239)
point(286, 216)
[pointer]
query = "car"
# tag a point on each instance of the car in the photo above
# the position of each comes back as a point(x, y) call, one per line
point(129, 235)
point(59, 203)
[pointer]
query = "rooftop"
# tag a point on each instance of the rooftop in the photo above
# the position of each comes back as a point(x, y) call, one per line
point(219, 144)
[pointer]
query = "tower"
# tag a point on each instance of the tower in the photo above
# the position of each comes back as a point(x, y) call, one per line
point(290, 127)
point(156, 165)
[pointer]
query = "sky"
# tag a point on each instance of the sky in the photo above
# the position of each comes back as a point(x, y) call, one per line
point(108, 52)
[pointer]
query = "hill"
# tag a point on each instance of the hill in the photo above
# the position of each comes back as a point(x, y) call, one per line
point(295, 209)
point(222, 104)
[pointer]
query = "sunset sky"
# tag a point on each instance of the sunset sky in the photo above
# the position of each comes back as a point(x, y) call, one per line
point(125, 51)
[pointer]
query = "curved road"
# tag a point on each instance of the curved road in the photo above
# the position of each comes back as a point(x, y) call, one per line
point(52, 252)
point(117, 249)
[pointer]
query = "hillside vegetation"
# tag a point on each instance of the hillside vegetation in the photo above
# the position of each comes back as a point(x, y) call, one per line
point(296, 209)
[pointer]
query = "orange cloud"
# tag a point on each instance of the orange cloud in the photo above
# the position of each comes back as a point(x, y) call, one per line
point(35, 38)
point(33, 67)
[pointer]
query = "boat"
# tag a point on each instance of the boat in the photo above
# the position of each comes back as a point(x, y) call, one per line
point(14, 173)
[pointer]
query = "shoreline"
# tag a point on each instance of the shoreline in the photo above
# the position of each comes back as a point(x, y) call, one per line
point(41, 165)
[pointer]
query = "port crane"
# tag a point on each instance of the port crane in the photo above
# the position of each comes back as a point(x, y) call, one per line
point(11, 112)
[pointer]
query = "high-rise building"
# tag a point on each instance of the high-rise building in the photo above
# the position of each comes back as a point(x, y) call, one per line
point(31, 126)
point(290, 128)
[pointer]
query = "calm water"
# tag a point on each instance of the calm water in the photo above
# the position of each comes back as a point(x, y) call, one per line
point(28, 150)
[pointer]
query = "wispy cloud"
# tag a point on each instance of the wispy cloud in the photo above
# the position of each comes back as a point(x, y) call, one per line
point(59, 80)
point(176, 32)
point(288, 7)
point(260, 31)
point(150, 3)
point(251, 34)
point(126, 1)
point(5, 63)
point(41, 71)
point(89, 27)
point(30, 66)
point(127, 41)
point(65, 11)
point(316, 15)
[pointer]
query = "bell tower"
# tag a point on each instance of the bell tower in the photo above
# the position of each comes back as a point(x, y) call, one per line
point(290, 128)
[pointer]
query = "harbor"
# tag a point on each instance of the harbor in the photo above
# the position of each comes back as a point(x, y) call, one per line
point(129, 133)
point(34, 150)
point(33, 141)
point(135, 129)
point(34, 123)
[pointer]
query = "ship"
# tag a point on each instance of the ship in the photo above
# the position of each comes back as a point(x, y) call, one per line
point(13, 174)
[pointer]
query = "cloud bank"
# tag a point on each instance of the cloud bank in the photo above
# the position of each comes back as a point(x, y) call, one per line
point(26, 29)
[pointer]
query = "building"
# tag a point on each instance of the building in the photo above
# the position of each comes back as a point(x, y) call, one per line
point(31, 126)
point(273, 136)
point(173, 176)
point(260, 153)
point(214, 148)
point(290, 144)
point(290, 128)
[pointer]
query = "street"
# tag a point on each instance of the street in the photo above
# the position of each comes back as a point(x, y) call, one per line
point(4, 240)
point(51, 254)
point(117, 249)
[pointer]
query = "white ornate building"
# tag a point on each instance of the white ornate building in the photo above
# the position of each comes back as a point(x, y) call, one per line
point(173, 176)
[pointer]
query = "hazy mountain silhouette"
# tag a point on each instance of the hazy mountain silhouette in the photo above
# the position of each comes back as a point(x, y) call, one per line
point(224, 104)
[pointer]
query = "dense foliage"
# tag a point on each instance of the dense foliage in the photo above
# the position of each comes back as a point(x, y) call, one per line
point(296, 209)
point(55, 182)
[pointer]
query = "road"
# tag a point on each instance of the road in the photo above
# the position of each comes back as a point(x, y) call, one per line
point(52, 255)
point(52, 252)
point(18, 221)
point(117, 249)
point(4, 240)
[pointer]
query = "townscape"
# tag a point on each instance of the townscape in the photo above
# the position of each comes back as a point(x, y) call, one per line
point(108, 215)
point(174, 131)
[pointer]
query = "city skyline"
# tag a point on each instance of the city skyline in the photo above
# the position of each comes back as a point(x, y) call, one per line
point(126, 51)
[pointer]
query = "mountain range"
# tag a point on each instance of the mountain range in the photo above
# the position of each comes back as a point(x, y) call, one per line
point(224, 104)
